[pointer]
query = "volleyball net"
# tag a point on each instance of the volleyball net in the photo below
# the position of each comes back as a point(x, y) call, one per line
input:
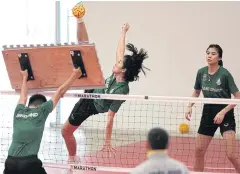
point(137, 115)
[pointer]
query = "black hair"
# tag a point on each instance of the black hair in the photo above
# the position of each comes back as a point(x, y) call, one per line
point(219, 50)
point(134, 63)
point(37, 99)
point(158, 139)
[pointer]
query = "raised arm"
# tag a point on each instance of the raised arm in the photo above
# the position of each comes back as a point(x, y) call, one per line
point(121, 44)
point(24, 88)
point(82, 34)
point(64, 87)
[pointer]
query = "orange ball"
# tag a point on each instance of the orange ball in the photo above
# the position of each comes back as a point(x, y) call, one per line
point(78, 10)
point(184, 128)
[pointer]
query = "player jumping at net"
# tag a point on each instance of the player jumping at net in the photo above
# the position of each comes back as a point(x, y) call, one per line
point(28, 126)
point(215, 81)
point(158, 160)
point(126, 69)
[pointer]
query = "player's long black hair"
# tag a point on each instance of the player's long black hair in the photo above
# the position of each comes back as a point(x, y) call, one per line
point(134, 63)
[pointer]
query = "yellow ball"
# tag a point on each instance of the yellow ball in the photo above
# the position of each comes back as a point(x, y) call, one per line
point(78, 11)
point(184, 128)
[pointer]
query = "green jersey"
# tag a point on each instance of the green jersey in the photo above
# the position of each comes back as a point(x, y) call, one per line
point(113, 87)
point(28, 126)
point(219, 85)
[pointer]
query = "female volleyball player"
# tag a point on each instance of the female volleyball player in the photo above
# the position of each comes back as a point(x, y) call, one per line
point(125, 70)
point(28, 126)
point(215, 81)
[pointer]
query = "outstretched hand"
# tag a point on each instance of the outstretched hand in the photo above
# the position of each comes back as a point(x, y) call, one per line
point(109, 150)
point(125, 27)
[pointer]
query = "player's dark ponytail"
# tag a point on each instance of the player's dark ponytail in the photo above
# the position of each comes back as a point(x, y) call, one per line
point(134, 63)
point(220, 62)
point(220, 52)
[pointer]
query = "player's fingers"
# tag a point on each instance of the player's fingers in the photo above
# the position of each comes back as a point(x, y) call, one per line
point(214, 120)
point(220, 121)
point(187, 116)
point(103, 149)
point(109, 152)
point(114, 151)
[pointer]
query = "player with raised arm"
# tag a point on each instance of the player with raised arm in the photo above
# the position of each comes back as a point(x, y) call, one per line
point(125, 70)
point(215, 81)
point(28, 126)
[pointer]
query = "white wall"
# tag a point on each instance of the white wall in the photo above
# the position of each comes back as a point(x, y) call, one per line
point(20, 24)
point(176, 35)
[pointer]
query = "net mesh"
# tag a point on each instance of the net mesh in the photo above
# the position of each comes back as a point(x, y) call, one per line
point(131, 125)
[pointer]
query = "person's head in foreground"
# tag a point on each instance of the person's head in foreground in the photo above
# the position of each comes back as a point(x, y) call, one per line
point(36, 100)
point(158, 161)
point(131, 65)
point(214, 55)
point(157, 140)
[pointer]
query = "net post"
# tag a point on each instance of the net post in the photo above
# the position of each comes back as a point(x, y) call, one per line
point(57, 40)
